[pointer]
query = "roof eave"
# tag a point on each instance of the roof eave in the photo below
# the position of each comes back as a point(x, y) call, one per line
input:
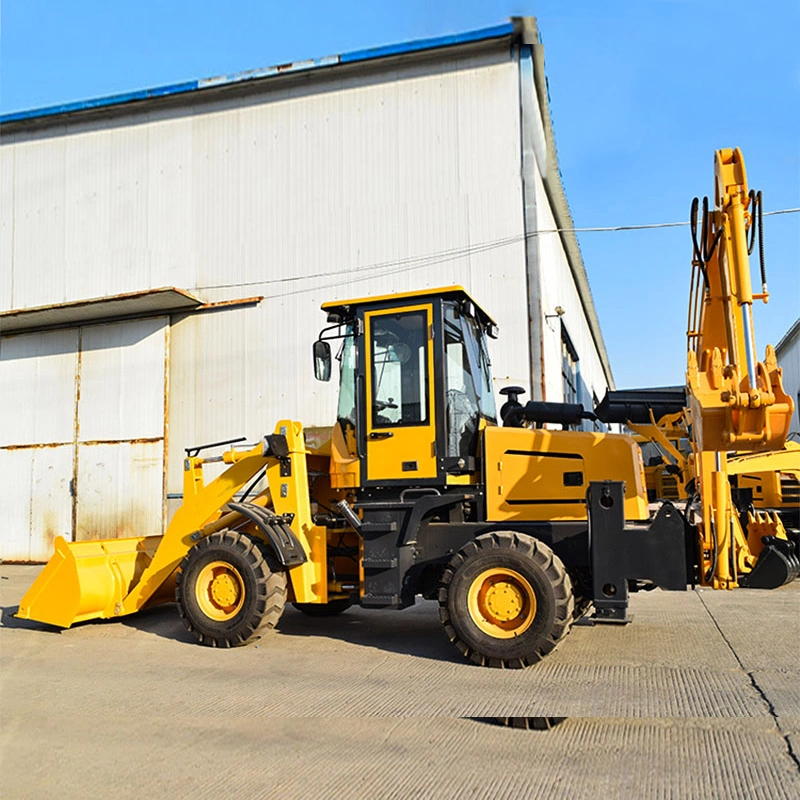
point(507, 30)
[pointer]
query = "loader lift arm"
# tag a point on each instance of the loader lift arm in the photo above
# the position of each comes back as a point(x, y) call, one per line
point(115, 577)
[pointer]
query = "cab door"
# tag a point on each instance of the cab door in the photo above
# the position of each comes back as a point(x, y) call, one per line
point(400, 413)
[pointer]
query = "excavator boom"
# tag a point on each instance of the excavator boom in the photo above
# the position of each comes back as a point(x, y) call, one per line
point(735, 402)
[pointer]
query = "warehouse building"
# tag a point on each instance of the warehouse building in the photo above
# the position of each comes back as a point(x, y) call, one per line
point(787, 351)
point(164, 255)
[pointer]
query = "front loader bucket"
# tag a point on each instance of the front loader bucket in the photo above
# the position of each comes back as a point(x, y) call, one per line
point(89, 580)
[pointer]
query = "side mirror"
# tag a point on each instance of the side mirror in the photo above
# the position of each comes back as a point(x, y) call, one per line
point(322, 360)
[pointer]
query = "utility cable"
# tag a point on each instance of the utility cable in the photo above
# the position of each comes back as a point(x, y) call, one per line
point(385, 268)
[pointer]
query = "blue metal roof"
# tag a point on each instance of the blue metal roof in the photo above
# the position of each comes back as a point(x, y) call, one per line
point(496, 32)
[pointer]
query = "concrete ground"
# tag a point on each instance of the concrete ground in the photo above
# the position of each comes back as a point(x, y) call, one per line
point(699, 697)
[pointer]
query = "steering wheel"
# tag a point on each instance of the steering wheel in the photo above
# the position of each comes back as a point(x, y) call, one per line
point(381, 404)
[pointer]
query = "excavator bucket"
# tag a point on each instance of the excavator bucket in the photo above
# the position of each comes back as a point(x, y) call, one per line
point(777, 565)
point(89, 580)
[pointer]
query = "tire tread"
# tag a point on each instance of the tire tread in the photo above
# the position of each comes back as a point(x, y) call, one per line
point(555, 573)
point(270, 591)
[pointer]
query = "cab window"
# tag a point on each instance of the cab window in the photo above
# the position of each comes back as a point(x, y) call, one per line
point(399, 369)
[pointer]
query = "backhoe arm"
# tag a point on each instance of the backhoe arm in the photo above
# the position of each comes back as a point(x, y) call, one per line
point(735, 402)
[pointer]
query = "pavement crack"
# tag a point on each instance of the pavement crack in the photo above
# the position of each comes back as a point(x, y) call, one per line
point(392, 729)
point(793, 756)
point(369, 672)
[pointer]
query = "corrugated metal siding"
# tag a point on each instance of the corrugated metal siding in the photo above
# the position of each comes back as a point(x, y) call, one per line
point(122, 381)
point(388, 179)
point(82, 439)
point(119, 490)
point(789, 361)
point(558, 289)
point(7, 213)
point(330, 177)
point(37, 388)
point(37, 506)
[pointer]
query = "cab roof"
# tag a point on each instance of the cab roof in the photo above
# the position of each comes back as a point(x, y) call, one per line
point(347, 308)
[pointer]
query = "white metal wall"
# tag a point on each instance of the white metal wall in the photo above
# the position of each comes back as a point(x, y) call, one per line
point(789, 361)
point(558, 289)
point(38, 393)
point(82, 435)
point(322, 190)
point(349, 183)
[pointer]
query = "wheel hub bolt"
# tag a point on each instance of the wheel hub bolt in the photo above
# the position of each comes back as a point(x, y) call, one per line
point(224, 590)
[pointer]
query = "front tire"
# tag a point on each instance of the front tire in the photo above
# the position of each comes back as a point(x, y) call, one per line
point(229, 587)
point(505, 600)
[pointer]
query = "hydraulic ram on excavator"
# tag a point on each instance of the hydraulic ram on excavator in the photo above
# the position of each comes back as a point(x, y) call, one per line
point(514, 529)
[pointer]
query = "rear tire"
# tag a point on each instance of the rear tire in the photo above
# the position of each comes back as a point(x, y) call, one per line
point(505, 600)
point(229, 587)
point(330, 609)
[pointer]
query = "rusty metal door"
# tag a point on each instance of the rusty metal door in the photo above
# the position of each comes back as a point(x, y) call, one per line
point(82, 430)
point(119, 486)
point(37, 441)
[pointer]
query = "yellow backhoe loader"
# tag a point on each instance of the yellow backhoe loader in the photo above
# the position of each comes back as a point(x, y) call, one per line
point(416, 490)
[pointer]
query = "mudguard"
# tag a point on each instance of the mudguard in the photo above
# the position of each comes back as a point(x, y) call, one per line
point(287, 547)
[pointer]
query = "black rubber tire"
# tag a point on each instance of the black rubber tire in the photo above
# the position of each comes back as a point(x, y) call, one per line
point(263, 588)
point(547, 578)
point(329, 609)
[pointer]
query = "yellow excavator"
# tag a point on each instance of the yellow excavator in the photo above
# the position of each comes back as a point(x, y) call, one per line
point(514, 528)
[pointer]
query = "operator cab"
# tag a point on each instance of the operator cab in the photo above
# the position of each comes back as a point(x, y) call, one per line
point(415, 385)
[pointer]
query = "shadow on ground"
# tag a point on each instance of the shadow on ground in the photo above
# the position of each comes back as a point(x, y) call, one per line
point(414, 632)
point(162, 621)
point(8, 620)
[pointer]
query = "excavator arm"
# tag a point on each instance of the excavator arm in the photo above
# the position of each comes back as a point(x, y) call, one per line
point(735, 402)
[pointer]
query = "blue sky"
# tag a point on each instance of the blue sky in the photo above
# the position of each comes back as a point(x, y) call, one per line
point(641, 93)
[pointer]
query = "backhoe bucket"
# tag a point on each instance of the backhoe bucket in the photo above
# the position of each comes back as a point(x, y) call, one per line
point(777, 565)
point(89, 580)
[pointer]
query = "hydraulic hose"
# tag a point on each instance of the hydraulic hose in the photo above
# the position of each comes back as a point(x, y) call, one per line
point(713, 566)
point(757, 222)
point(697, 255)
point(710, 251)
point(751, 239)
point(762, 263)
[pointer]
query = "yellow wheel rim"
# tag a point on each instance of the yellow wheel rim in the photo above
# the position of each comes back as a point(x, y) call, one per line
point(219, 591)
point(502, 603)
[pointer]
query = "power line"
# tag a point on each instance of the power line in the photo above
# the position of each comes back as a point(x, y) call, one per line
point(386, 268)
